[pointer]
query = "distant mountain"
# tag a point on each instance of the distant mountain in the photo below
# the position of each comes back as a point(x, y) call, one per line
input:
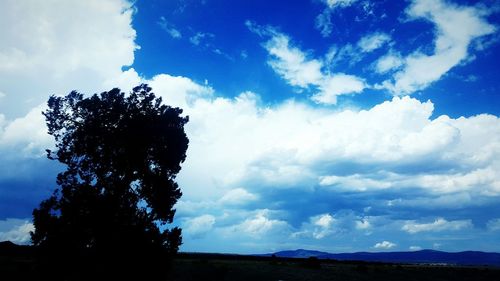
point(300, 253)
point(7, 248)
point(423, 256)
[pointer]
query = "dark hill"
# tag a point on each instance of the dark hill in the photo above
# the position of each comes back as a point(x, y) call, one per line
point(7, 248)
point(423, 256)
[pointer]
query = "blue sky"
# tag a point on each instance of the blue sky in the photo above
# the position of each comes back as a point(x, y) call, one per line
point(335, 125)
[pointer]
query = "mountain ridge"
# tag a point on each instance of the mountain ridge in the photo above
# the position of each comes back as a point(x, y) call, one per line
point(421, 256)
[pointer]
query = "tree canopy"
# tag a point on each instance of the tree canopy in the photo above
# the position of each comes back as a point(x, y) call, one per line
point(115, 199)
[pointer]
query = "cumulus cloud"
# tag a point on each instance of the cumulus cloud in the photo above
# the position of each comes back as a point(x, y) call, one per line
point(439, 224)
point(336, 85)
point(58, 46)
point(16, 230)
point(198, 226)
point(384, 245)
point(318, 227)
point(455, 28)
point(300, 139)
point(299, 70)
point(260, 224)
point(237, 196)
point(53, 51)
point(363, 224)
point(303, 142)
point(174, 90)
point(14, 139)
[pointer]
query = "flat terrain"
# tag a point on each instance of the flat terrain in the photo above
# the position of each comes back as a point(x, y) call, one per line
point(241, 268)
point(213, 268)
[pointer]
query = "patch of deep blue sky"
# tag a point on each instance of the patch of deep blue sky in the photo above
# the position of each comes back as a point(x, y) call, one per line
point(213, 43)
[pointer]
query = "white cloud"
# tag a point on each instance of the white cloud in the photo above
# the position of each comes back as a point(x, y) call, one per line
point(260, 225)
point(363, 224)
point(339, 3)
point(169, 28)
point(354, 182)
point(237, 196)
point(198, 38)
point(299, 70)
point(493, 224)
point(336, 85)
point(385, 245)
point(455, 28)
point(453, 199)
point(199, 226)
point(292, 63)
point(324, 220)
point(439, 224)
point(174, 90)
point(483, 182)
point(322, 226)
point(415, 248)
point(15, 230)
point(299, 139)
point(486, 181)
point(323, 21)
point(52, 50)
point(373, 41)
point(391, 61)
point(14, 137)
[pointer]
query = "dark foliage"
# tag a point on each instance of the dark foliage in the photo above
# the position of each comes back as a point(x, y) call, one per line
point(116, 196)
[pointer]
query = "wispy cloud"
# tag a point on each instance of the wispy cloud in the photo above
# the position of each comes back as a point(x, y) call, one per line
point(493, 224)
point(455, 28)
point(439, 224)
point(389, 62)
point(373, 41)
point(169, 28)
point(300, 70)
point(200, 37)
point(323, 21)
point(339, 3)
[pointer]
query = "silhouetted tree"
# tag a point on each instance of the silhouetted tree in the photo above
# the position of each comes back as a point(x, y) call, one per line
point(116, 196)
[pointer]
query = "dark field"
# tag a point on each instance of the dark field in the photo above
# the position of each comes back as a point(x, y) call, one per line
point(242, 268)
point(213, 268)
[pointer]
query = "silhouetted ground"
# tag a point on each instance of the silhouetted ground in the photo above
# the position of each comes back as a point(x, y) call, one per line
point(241, 268)
point(21, 265)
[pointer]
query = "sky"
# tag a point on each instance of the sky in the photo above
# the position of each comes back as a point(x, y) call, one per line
point(333, 125)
